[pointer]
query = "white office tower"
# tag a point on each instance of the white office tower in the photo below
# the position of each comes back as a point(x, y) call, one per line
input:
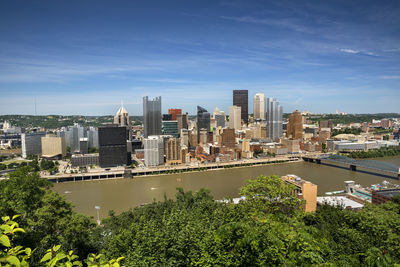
point(153, 151)
point(274, 119)
point(31, 143)
point(235, 120)
point(93, 136)
point(219, 117)
point(259, 106)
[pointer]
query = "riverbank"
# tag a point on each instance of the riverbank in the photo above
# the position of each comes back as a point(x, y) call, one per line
point(374, 153)
point(165, 170)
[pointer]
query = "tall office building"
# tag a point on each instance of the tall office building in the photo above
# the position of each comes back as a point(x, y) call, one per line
point(174, 113)
point(153, 151)
point(241, 99)
point(235, 121)
point(219, 117)
point(228, 138)
point(53, 146)
point(295, 125)
point(113, 149)
point(259, 106)
point(170, 128)
point(93, 136)
point(203, 121)
point(31, 143)
point(121, 118)
point(173, 151)
point(183, 121)
point(274, 119)
point(152, 116)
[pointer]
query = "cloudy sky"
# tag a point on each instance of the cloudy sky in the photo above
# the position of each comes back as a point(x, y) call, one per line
point(85, 57)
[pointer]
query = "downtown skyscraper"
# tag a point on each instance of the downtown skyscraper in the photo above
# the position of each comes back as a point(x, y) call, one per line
point(241, 99)
point(259, 105)
point(203, 121)
point(274, 119)
point(152, 116)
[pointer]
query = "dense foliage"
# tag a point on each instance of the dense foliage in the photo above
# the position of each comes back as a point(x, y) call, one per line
point(352, 118)
point(268, 227)
point(58, 121)
point(45, 215)
point(374, 153)
point(355, 131)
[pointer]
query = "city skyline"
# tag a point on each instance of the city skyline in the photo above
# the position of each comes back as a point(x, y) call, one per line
point(83, 58)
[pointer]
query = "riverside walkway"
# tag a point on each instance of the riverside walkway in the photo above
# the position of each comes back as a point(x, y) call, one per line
point(114, 173)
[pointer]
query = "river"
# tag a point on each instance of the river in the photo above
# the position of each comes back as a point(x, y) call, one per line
point(122, 194)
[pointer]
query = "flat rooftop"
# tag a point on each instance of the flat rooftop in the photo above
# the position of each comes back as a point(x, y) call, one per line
point(339, 201)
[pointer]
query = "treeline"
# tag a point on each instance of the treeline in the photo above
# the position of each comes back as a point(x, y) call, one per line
point(375, 153)
point(268, 228)
point(58, 121)
point(355, 131)
point(34, 164)
point(352, 118)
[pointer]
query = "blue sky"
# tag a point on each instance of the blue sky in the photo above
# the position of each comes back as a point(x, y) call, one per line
point(84, 57)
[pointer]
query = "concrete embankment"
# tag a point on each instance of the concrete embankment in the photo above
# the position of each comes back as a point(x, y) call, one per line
point(165, 170)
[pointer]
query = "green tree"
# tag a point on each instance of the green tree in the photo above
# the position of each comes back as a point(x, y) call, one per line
point(46, 216)
point(271, 194)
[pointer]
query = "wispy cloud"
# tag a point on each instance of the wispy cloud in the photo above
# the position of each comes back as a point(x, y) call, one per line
point(352, 51)
point(390, 77)
point(283, 23)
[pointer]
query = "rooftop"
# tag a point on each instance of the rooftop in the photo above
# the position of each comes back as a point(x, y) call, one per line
point(339, 201)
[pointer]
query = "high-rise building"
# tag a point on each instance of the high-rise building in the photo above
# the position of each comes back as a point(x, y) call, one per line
point(184, 137)
point(53, 146)
point(113, 149)
point(274, 119)
point(241, 99)
point(203, 121)
point(259, 106)
point(173, 151)
point(31, 143)
point(295, 126)
point(170, 128)
point(153, 151)
point(235, 121)
point(152, 116)
point(166, 117)
point(84, 145)
point(219, 117)
point(121, 118)
point(174, 113)
point(193, 138)
point(183, 121)
point(228, 138)
point(203, 137)
point(93, 136)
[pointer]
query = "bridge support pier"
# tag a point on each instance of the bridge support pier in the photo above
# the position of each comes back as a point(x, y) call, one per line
point(353, 167)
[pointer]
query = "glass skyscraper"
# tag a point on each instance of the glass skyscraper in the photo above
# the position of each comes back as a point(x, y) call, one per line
point(203, 121)
point(241, 99)
point(274, 118)
point(152, 116)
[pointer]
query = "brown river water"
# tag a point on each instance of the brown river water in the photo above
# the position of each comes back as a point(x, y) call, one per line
point(122, 194)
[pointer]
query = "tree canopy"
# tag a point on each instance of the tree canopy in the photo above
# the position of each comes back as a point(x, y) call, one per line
point(268, 227)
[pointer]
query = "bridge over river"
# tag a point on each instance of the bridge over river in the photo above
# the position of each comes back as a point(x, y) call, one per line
point(374, 167)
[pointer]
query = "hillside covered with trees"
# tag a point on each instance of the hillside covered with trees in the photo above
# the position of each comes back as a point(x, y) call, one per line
point(268, 228)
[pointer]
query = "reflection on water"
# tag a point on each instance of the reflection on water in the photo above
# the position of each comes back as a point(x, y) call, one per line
point(122, 194)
